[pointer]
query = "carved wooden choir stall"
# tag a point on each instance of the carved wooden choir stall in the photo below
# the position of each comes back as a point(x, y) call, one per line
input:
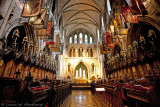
point(134, 75)
point(27, 75)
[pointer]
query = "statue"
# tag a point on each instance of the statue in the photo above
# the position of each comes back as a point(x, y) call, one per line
point(135, 47)
point(113, 63)
point(124, 57)
point(3, 44)
point(31, 47)
point(142, 44)
point(152, 41)
point(121, 58)
point(14, 37)
point(25, 44)
point(129, 54)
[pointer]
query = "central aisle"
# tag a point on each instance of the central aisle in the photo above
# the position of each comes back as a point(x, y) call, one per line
point(81, 98)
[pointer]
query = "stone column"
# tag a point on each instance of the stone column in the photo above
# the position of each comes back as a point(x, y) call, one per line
point(76, 53)
point(80, 52)
point(89, 52)
point(72, 52)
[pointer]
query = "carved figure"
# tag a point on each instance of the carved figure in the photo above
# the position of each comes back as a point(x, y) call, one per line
point(142, 44)
point(152, 41)
point(25, 44)
point(135, 47)
point(14, 37)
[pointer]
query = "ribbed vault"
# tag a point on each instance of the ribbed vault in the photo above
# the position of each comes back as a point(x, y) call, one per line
point(77, 14)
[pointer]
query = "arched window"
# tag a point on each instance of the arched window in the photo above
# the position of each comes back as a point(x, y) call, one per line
point(80, 72)
point(70, 40)
point(91, 54)
point(75, 38)
point(80, 38)
point(84, 74)
point(76, 73)
point(91, 40)
point(86, 38)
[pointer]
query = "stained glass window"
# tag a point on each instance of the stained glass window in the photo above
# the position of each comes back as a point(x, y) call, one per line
point(80, 38)
point(76, 73)
point(86, 38)
point(70, 40)
point(84, 73)
point(75, 38)
point(91, 40)
point(80, 72)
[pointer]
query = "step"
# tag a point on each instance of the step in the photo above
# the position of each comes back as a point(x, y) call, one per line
point(81, 86)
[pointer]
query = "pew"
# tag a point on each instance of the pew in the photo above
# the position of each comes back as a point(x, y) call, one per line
point(9, 88)
point(34, 93)
point(59, 92)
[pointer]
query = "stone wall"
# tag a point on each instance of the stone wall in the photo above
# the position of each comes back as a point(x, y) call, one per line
point(153, 8)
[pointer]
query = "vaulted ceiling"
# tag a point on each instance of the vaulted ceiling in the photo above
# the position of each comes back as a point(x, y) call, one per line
point(80, 14)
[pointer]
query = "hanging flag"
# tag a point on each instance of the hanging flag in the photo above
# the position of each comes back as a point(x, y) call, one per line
point(115, 24)
point(112, 45)
point(50, 42)
point(43, 26)
point(133, 7)
point(55, 49)
point(141, 7)
point(108, 39)
point(118, 19)
point(48, 30)
point(38, 20)
point(103, 49)
point(31, 8)
point(41, 32)
point(128, 16)
point(53, 46)
point(123, 31)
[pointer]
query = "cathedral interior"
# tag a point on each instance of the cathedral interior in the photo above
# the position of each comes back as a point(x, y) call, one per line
point(80, 53)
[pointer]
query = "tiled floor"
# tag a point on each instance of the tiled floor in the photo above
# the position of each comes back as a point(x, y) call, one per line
point(81, 98)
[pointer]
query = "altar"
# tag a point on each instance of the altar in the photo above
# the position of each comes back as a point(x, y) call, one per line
point(81, 81)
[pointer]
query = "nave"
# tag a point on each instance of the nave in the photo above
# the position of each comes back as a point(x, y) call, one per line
point(81, 98)
point(103, 53)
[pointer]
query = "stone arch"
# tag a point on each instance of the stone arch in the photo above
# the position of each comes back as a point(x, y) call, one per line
point(149, 20)
point(135, 29)
point(83, 66)
point(84, 62)
point(11, 25)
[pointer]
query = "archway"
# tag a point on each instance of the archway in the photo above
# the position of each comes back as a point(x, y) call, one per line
point(12, 60)
point(81, 74)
